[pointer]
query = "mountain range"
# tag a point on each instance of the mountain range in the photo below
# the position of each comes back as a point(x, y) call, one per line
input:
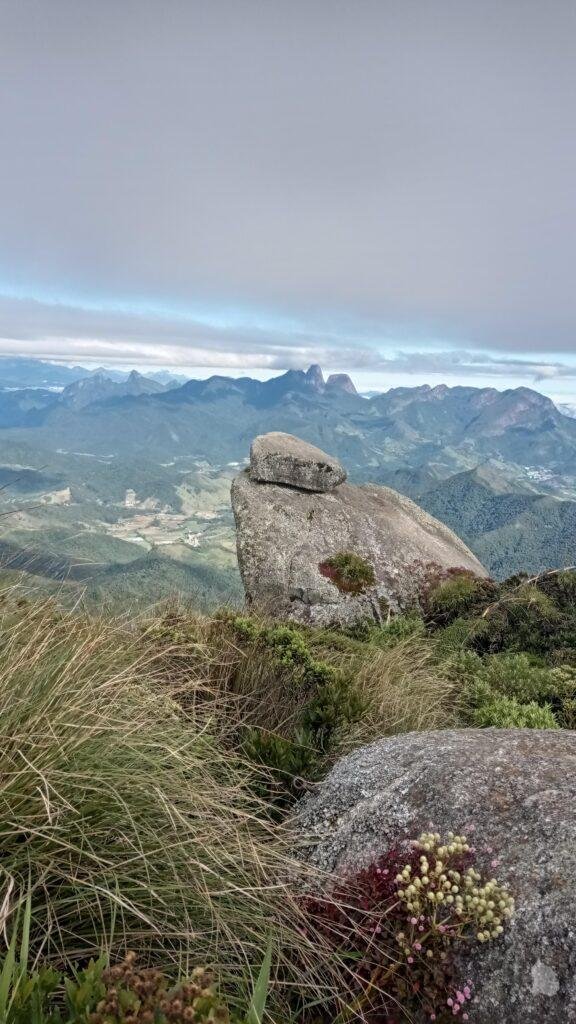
point(499, 467)
point(511, 526)
point(21, 372)
point(216, 419)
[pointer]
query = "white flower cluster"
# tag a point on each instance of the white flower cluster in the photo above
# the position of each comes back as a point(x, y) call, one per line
point(437, 890)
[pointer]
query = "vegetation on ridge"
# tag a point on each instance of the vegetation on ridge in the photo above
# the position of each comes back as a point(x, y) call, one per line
point(148, 769)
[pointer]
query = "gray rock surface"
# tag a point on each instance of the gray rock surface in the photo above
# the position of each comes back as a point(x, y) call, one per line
point(286, 533)
point(284, 459)
point(513, 793)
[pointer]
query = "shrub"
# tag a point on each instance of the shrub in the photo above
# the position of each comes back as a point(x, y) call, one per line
point(525, 618)
point(509, 713)
point(525, 677)
point(350, 573)
point(119, 994)
point(505, 690)
point(324, 698)
point(462, 634)
point(395, 631)
point(448, 594)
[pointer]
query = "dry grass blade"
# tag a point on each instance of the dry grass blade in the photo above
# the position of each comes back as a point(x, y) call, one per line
point(134, 825)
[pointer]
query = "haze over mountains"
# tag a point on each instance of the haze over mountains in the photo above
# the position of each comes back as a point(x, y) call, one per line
point(131, 473)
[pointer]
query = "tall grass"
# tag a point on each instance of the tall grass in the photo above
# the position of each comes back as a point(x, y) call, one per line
point(403, 691)
point(399, 682)
point(126, 819)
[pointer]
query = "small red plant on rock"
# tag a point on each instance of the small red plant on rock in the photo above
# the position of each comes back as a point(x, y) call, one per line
point(350, 573)
point(397, 924)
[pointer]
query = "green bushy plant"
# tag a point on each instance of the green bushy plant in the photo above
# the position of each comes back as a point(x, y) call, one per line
point(449, 594)
point(454, 597)
point(525, 619)
point(508, 713)
point(329, 702)
point(505, 690)
point(460, 635)
point(394, 632)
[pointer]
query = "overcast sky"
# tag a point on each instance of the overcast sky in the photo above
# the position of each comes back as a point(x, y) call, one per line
point(388, 188)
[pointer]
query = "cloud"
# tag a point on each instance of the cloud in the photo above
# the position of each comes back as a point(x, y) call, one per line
point(374, 176)
point(67, 333)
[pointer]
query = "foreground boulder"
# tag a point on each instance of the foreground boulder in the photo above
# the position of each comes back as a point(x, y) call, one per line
point(316, 549)
point(513, 792)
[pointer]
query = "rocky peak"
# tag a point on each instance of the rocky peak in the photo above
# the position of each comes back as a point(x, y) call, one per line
point(314, 377)
point(87, 390)
point(137, 384)
point(341, 382)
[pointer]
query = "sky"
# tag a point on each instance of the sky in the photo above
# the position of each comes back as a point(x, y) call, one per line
point(244, 186)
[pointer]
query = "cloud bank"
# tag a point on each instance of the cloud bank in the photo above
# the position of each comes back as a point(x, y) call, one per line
point(386, 186)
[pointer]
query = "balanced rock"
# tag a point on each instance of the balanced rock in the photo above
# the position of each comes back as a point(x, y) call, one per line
point(317, 550)
point(512, 793)
point(278, 458)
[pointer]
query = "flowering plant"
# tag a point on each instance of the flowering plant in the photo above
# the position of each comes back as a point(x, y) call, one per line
point(397, 924)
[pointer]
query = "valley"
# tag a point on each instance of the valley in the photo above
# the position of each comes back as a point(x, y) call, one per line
point(117, 487)
point(111, 530)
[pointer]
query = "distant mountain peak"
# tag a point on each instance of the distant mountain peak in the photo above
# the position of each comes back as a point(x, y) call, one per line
point(341, 382)
point(315, 377)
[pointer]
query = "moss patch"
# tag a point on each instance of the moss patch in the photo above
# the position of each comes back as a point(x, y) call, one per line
point(350, 573)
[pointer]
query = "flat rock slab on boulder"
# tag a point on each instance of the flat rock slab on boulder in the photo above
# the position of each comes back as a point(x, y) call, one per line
point(511, 791)
point(286, 534)
point(284, 459)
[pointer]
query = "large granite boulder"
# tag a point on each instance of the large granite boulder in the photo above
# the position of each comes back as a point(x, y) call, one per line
point(278, 458)
point(294, 536)
point(513, 791)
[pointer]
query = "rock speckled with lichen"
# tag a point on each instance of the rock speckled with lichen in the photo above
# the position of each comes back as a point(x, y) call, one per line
point(287, 530)
point(278, 458)
point(513, 793)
